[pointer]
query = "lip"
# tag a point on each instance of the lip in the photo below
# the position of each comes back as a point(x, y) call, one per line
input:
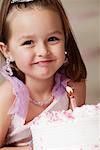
point(43, 61)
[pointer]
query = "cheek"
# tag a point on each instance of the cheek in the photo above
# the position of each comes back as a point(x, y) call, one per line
point(21, 54)
point(60, 53)
point(21, 59)
point(62, 57)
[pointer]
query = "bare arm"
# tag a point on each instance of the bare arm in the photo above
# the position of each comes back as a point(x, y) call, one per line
point(6, 100)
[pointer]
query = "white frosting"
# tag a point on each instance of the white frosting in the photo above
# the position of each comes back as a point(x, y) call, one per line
point(68, 130)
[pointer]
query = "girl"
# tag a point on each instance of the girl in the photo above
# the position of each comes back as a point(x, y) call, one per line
point(42, 58)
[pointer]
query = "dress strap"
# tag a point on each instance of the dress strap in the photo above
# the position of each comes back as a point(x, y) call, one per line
point(19, 107)
point(60, 85)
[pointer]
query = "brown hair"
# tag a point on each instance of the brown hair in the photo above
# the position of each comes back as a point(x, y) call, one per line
point(75, 68)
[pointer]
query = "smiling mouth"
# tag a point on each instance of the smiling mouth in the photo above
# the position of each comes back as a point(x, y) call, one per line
point(44, 62)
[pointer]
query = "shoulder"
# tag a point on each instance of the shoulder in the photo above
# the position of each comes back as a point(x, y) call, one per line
point(81, 84)
point(79, 91)
point(6, 100)
point(6, 92)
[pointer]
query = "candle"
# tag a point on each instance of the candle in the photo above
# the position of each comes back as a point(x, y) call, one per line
point(70, 92)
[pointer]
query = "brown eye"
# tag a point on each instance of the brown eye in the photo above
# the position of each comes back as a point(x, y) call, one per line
point(53, 39)
point(29, 42)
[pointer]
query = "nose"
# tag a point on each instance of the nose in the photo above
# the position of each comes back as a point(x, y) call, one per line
point(42, 49)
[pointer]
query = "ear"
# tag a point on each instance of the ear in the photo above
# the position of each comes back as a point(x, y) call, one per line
point(4, 50)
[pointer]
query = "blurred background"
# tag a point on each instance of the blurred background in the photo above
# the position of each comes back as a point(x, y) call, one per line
point(84, 16)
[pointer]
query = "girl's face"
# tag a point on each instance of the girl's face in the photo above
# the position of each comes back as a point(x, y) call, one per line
point(37, 42)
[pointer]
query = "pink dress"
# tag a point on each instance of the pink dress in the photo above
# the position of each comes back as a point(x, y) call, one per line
point(19, 133)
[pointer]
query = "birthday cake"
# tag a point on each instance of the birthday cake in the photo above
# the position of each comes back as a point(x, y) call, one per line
point(68, 130)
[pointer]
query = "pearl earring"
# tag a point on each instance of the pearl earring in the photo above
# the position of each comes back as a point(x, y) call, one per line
point(7, 68)
point(66, 58)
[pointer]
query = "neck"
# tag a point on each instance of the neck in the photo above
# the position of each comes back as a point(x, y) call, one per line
point(40, 89)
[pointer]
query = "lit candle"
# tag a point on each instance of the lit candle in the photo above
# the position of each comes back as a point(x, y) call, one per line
point(70, 92)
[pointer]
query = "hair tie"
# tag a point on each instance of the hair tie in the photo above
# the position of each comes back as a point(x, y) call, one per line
point(20, 1)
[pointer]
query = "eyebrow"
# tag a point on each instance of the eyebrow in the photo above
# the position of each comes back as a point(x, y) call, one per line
point(56, 32)
point(29, 36)
point(25, 37)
